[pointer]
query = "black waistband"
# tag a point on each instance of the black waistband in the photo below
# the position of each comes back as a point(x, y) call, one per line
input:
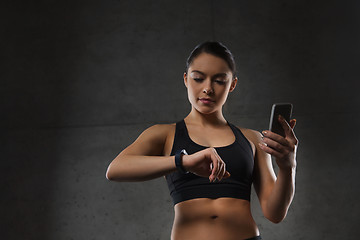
point(254, 238)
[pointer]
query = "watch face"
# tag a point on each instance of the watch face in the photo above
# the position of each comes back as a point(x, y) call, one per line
point(184, 152)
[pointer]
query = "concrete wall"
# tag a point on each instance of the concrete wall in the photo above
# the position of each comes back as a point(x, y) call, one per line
point(81, 80)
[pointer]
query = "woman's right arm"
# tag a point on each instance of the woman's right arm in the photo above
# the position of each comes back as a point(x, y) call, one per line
point(143, 159)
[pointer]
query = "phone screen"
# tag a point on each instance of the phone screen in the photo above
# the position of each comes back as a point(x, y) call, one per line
point(283, 109)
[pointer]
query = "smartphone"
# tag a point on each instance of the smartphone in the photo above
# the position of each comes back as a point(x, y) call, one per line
point(283, 109)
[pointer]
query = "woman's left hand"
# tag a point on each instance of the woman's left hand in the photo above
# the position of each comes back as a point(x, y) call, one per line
point(282, 148)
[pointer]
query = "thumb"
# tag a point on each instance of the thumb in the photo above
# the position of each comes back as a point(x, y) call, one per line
point(227, 174)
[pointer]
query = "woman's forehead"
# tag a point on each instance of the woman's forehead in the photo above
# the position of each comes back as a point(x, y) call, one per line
point(208, 63)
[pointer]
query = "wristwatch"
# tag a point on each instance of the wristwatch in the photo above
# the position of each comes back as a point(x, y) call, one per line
point(178, 161)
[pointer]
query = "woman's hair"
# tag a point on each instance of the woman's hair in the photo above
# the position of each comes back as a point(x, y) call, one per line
point(215, 48)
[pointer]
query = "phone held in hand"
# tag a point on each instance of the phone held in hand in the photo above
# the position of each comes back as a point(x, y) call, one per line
point(283, 109)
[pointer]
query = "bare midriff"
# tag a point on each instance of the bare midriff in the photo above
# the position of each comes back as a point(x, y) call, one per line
point(213, 219)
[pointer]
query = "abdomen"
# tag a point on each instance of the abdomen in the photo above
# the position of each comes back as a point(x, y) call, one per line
point(222, 218)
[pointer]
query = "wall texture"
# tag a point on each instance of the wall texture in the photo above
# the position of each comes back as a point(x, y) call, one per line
point(81, 80)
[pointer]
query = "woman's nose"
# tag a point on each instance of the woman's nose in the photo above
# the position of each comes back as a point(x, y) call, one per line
point(208, 88)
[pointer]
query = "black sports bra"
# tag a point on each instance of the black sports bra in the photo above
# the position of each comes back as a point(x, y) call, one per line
point(239, 161)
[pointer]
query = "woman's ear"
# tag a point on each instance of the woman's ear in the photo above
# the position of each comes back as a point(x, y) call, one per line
point(185, 79)
point(233, 84)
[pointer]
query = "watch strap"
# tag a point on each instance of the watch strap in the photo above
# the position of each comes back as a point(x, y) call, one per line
point(178, 160)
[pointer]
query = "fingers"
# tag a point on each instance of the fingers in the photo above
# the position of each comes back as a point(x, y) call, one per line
point(292, 123)
point(288, 128)
point(277, 142)
point(216, 164)
point(271, 150)
point(219, 169)
point(278, 146)
point(274, 137)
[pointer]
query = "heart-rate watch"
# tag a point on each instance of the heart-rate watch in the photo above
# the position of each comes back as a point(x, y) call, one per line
point(178, 160)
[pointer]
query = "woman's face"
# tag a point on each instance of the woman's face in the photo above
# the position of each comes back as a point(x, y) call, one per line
point(209, 81)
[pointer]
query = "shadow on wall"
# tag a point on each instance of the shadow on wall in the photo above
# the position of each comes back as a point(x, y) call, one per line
point(38, 69)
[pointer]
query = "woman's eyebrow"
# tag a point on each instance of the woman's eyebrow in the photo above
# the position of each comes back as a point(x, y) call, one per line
point(196, 71)
point(220, 75)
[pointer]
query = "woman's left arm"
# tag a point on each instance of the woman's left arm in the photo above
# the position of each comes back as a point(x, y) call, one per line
point(275, 192)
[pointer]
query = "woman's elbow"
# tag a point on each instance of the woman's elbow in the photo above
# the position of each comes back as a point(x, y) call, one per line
point(275, 218)
point(111, 175)
point(115, 170)
point(108, 174)
point(119, 173)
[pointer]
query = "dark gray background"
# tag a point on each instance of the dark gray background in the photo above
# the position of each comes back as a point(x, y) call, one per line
point(80, 80)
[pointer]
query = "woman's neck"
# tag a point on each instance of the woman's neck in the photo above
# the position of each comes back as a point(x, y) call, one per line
point(212, 119)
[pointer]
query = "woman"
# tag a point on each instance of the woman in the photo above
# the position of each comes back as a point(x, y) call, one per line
point(210, 164)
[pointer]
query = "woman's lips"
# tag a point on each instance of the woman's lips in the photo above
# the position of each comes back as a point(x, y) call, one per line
point(206, 100)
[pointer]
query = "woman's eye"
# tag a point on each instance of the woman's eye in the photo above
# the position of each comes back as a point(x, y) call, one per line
point(220, 82)
point(198, 79)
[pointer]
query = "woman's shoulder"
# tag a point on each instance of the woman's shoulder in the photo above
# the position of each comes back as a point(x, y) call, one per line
point(160, 129)
point(253, 136)
point(167, 133)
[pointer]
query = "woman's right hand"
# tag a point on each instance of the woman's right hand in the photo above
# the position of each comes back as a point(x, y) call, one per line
point(206, 163)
